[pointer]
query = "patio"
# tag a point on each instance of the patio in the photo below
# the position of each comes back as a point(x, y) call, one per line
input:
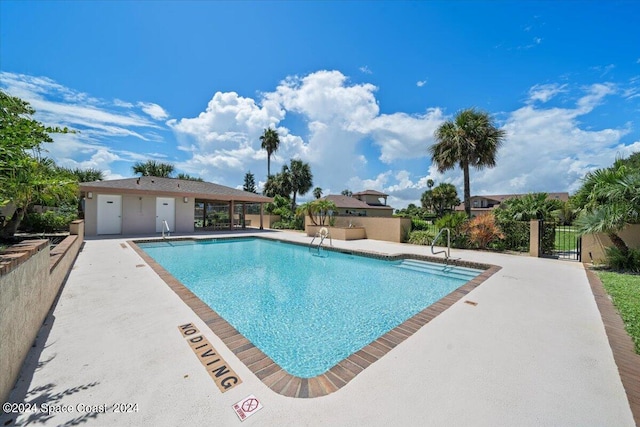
point(533, 351)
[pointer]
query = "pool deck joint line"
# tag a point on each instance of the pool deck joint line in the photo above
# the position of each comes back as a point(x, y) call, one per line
point(280, 381)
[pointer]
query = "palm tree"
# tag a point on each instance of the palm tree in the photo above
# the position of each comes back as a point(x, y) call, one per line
point(300, 178)
point(153, 168)
point(270, 142)
point(317, 192)
point(611, 200)
point(278, 184)
point(470, 139)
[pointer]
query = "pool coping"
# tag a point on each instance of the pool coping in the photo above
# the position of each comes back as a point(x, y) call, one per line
point(268, 371)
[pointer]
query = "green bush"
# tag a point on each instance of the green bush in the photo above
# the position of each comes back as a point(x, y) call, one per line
point(295, 223)
point(421, 237)
point(454, 222)
point(621, 262)
point(516, 236)
point(420, 224)
point(47, 222)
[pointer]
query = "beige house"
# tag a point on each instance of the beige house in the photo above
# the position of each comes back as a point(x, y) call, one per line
point(365, 203)
point(148, 204)
point(485, 203)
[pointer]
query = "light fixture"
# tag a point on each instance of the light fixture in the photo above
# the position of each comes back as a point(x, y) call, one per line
point(185, 199)
point(90, 195)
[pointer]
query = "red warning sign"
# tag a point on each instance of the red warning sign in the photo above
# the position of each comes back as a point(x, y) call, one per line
point(247, 407)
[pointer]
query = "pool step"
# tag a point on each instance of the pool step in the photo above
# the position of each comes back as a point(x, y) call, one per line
point(439, 269)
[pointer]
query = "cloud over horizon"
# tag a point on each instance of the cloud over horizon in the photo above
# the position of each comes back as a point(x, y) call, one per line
point(337, 126)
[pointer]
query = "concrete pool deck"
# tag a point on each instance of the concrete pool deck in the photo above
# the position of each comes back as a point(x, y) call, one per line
point(533, 351)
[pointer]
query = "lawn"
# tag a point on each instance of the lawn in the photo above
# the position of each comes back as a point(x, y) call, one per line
point(624, 290)
point(566, 238)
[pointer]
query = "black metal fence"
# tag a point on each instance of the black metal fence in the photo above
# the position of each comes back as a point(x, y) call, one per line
point(560, 241)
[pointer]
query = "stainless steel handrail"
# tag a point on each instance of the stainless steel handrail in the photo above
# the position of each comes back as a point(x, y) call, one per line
point(447, 253)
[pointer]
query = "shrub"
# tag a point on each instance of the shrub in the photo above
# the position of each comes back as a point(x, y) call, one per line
point(47, 222)
point(419, 224)
point(421, 237)
point(483, 230)
point(621, 262)
point(454, 222)
point(516, 235)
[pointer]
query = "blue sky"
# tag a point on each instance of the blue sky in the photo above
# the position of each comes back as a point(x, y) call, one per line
point(356, 89)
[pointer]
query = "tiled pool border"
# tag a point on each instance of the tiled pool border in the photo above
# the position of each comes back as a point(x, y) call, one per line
point(338, 376)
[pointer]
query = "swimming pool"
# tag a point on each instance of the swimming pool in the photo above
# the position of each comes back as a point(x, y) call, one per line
point(305, 312)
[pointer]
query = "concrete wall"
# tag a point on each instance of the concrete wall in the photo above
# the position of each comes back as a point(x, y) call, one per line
point(377, 228)
point(355, 233)
point(267, 220)
point(595, 244)
point(30, 278)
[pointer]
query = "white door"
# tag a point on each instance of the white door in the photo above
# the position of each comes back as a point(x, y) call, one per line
point(165, 211)
point(109, 214)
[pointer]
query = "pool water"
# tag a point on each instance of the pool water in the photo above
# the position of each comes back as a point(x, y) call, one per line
point(305, 312)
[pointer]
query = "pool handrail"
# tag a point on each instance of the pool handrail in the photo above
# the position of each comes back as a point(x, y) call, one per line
point(447, 253)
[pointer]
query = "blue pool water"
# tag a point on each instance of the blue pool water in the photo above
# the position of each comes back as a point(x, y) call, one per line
point(305, 312)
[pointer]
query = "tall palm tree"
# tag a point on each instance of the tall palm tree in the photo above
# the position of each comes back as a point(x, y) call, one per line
point(317, 192)
point(270, 142)
point(153, 168)
point(470, 140)
point(300, 178)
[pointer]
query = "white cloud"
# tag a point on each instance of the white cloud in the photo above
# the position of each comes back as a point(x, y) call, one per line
point(365, 70)
point(155, 111)
point(545, 92)
point(421, 83)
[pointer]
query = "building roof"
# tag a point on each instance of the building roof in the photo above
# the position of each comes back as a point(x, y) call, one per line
point(348, 202)
point(502, 197)
point(370, 193)
point(173, 187)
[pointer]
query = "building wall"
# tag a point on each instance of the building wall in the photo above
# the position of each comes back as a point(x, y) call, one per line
point(595, 244)
point(185, 215)
point(139, 214)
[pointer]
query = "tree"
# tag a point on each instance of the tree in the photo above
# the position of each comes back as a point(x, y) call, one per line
point(347, 192)
point(317, 210)
point(249, 183)
point(36, 180)
point(610, 199)
point(317, 192)
point(528, 207)
point(188, 177)
point(153, 168)
point(24, 175)
point(84, 175)
point(470, 140)
point(270, 141)
point(441, 199)
point(301, 179)
point(278, 184)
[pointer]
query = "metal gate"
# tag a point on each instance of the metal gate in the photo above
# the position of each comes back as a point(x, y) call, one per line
point(560, 241)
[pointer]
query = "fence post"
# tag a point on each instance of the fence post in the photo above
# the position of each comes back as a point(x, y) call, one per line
point(534, 237)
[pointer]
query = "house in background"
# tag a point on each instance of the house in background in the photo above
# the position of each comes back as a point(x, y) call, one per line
point(365, 203)
point(485, 203)
point(143, 205)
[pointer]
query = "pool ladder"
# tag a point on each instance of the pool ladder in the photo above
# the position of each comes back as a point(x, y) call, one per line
point(447, 253)
point(165, 226)
point(322, 235)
